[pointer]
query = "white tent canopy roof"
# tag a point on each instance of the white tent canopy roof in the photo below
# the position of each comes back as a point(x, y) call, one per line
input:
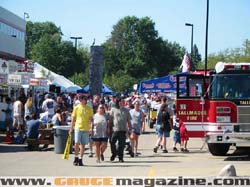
point(53, 78)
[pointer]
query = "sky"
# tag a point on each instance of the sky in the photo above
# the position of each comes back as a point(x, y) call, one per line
point(228, 25)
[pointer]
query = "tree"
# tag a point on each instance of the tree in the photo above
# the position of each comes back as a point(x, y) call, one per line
point(240, 54)
point(46, 51)
point(129, 47)
point(44, 45)
point(35, 31)
point(82, 74)
point(195, 58)
point(135, 50)
point(120, 82)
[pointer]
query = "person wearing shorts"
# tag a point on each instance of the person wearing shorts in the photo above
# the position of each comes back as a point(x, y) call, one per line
point(176, 138)
point(100, 132)
point(81, 122)
point(138, 126)
point(163, 128)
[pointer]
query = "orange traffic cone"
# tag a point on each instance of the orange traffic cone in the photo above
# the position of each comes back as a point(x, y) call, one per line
point(8, 138)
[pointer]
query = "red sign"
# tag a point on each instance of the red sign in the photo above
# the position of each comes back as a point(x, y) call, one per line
point(25, 66)
point(34, 82)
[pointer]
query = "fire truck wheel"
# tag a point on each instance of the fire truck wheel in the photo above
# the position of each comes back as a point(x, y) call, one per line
point(218, 149)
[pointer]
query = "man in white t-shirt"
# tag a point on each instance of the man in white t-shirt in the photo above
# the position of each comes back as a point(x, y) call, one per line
point(49, 105)
point(18, 114)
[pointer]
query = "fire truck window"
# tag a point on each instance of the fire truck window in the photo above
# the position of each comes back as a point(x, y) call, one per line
point(183, 92)
point(244, 89)
point(195, 87)
point(230, 87)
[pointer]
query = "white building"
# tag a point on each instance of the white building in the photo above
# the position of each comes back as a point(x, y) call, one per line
point(12, 35)
point(12, 55)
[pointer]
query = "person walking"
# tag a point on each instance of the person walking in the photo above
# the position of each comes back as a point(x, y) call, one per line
point(8, 114)
point(100, 131)
point(165, 126)
point(184, 137)
point(94, 105)
point(18, 117)
point(138, 126)
point(122, 123)
point(81, 119)
point(176, 137)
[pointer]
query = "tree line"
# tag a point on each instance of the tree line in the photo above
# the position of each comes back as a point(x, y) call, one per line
point(133, 52)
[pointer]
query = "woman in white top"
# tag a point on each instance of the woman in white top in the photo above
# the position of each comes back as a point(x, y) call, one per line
point(138, 126)
point(100, 132)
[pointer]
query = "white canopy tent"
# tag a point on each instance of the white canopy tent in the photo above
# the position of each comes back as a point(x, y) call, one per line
point(53, 78)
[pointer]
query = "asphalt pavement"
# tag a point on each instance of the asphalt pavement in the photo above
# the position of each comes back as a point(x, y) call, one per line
point(15, 160)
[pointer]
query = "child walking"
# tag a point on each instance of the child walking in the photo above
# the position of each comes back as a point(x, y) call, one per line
point(184, 136)
point(176, 138)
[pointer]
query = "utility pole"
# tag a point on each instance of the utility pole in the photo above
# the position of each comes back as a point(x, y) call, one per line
point(75, 38)
point(206, 40)
point(26, 15)
point(192, 35)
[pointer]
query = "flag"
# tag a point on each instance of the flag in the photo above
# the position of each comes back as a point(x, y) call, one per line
point(185, 65)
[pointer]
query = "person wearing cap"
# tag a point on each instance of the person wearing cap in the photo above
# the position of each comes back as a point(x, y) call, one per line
point(81, 120)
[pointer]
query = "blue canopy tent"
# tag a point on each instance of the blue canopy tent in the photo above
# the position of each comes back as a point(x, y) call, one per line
point(164, 84)
point(81, 91)
point(105, 90)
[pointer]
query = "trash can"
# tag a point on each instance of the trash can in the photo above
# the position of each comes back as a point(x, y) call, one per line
point(60, 139)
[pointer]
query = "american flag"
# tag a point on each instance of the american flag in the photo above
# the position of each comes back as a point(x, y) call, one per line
point(185, 65)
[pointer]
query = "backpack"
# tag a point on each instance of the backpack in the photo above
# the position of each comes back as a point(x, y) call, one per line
point(162, 119)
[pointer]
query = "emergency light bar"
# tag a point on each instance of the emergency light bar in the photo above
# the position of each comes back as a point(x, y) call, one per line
point(220, 66)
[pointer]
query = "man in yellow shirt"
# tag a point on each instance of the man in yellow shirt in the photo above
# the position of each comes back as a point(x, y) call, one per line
point(81, 122)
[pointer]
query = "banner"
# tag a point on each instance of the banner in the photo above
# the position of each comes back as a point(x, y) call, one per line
point(165, 84)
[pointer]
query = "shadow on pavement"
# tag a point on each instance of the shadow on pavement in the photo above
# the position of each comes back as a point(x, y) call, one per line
point(238, 158)
point(11, 148)
point(131, 164)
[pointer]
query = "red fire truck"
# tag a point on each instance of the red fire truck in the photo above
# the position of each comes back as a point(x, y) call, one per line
point(216, 106)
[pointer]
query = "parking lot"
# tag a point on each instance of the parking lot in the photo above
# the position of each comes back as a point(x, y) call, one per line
point(15, 160)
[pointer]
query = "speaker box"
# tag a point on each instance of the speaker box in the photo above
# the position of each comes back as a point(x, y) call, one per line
point(52, 88)
point(58, 90)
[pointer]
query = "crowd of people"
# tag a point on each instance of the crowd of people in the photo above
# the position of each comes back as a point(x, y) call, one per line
point(120, 121)
point(98, 121)
point(20, 112)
